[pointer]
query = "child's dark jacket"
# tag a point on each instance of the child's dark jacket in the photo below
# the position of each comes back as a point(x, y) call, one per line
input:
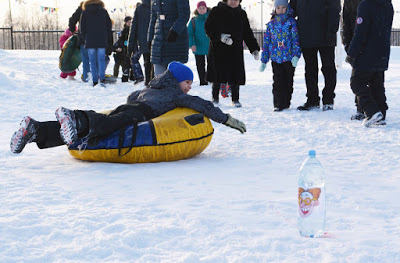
point(164, 94)
point(370, 45)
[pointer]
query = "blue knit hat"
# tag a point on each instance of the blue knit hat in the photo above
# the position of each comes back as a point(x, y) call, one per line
point(180, 72)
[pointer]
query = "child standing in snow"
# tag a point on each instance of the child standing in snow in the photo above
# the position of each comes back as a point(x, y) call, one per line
point(67, 34)
point(198, 40)
point(282, 46)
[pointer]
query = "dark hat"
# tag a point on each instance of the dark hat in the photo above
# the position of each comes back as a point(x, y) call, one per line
point(180, 71)
point(127, 18)
point(227, 1)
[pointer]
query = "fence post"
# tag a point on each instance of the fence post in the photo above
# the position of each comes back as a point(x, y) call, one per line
point(12, 39)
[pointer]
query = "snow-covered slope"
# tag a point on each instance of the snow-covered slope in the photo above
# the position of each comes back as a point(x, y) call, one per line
point(235, 202)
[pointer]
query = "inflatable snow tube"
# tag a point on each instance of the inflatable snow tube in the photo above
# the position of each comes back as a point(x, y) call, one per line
point(70, 57)
point(178, 134)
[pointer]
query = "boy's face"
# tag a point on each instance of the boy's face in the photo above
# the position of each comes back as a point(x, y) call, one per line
point(128, 23)
point(185, 86)
point(233, 3)
point(280, 9)
point(202, 10)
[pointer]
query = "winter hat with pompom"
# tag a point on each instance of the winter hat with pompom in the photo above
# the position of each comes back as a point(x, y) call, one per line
point(180, 71)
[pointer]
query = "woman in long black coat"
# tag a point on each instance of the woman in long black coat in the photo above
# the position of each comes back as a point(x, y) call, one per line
point(227, 26)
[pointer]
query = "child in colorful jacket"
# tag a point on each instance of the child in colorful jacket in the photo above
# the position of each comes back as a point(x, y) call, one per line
point(282, 46)
point(64, 37)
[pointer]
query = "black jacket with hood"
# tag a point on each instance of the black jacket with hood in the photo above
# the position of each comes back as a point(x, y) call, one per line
point(95, 25)
point(139, 27)
point(317, 21)
point(370, 46)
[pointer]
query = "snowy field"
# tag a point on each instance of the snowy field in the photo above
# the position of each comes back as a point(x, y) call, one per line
point(235, 202)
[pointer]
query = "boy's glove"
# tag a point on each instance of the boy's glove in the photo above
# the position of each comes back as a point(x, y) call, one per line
point(262, 67)
point(226, 39)
point(172, 36)
point(256, 55)
point(294, 61)
point(235, 124)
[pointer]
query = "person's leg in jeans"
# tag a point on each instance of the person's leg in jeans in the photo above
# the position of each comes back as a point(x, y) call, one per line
point(101, 62)
point(137, 71)
point(328, 69)
point(93, 64)
point(85, 63)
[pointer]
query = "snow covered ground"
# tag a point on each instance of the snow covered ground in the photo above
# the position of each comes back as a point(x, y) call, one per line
point(235, 202)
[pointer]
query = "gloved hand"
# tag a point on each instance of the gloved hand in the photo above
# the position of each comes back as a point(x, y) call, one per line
point(226, 39)
point(172, 36)
point(263, 66)
point(256, 55)
point(235, 124)
point(350, 60)
point(294, 61)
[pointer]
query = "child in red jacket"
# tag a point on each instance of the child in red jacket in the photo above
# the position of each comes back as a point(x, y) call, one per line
point(62, 40)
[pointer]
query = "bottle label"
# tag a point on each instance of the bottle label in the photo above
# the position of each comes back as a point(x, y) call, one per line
point(309, 199)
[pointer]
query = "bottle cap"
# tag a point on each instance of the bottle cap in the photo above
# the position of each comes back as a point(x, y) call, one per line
point(311, 153)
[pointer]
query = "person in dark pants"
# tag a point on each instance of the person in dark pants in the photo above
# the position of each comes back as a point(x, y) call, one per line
point(368, 54)
point(198, 40)
point(318, 23)
point(349, 15)
point(227, 26)
point(120, 48)
point(137, 44)
point(282, 46)
point(164, 93)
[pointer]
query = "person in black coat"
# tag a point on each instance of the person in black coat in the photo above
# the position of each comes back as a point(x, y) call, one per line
point(168, 35)
point(318, 23)
point(137, 44)
point(227, 26)
point(96, 33)
point(73, 20)
point(368, 54)
point(349, 15)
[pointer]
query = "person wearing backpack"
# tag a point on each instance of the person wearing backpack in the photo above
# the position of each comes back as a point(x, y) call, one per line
point(198, 40)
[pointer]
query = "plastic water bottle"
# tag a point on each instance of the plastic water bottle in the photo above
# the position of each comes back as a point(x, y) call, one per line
point(312, 211)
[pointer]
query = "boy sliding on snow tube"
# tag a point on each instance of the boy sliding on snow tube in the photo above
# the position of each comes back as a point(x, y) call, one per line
point(164, 93)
